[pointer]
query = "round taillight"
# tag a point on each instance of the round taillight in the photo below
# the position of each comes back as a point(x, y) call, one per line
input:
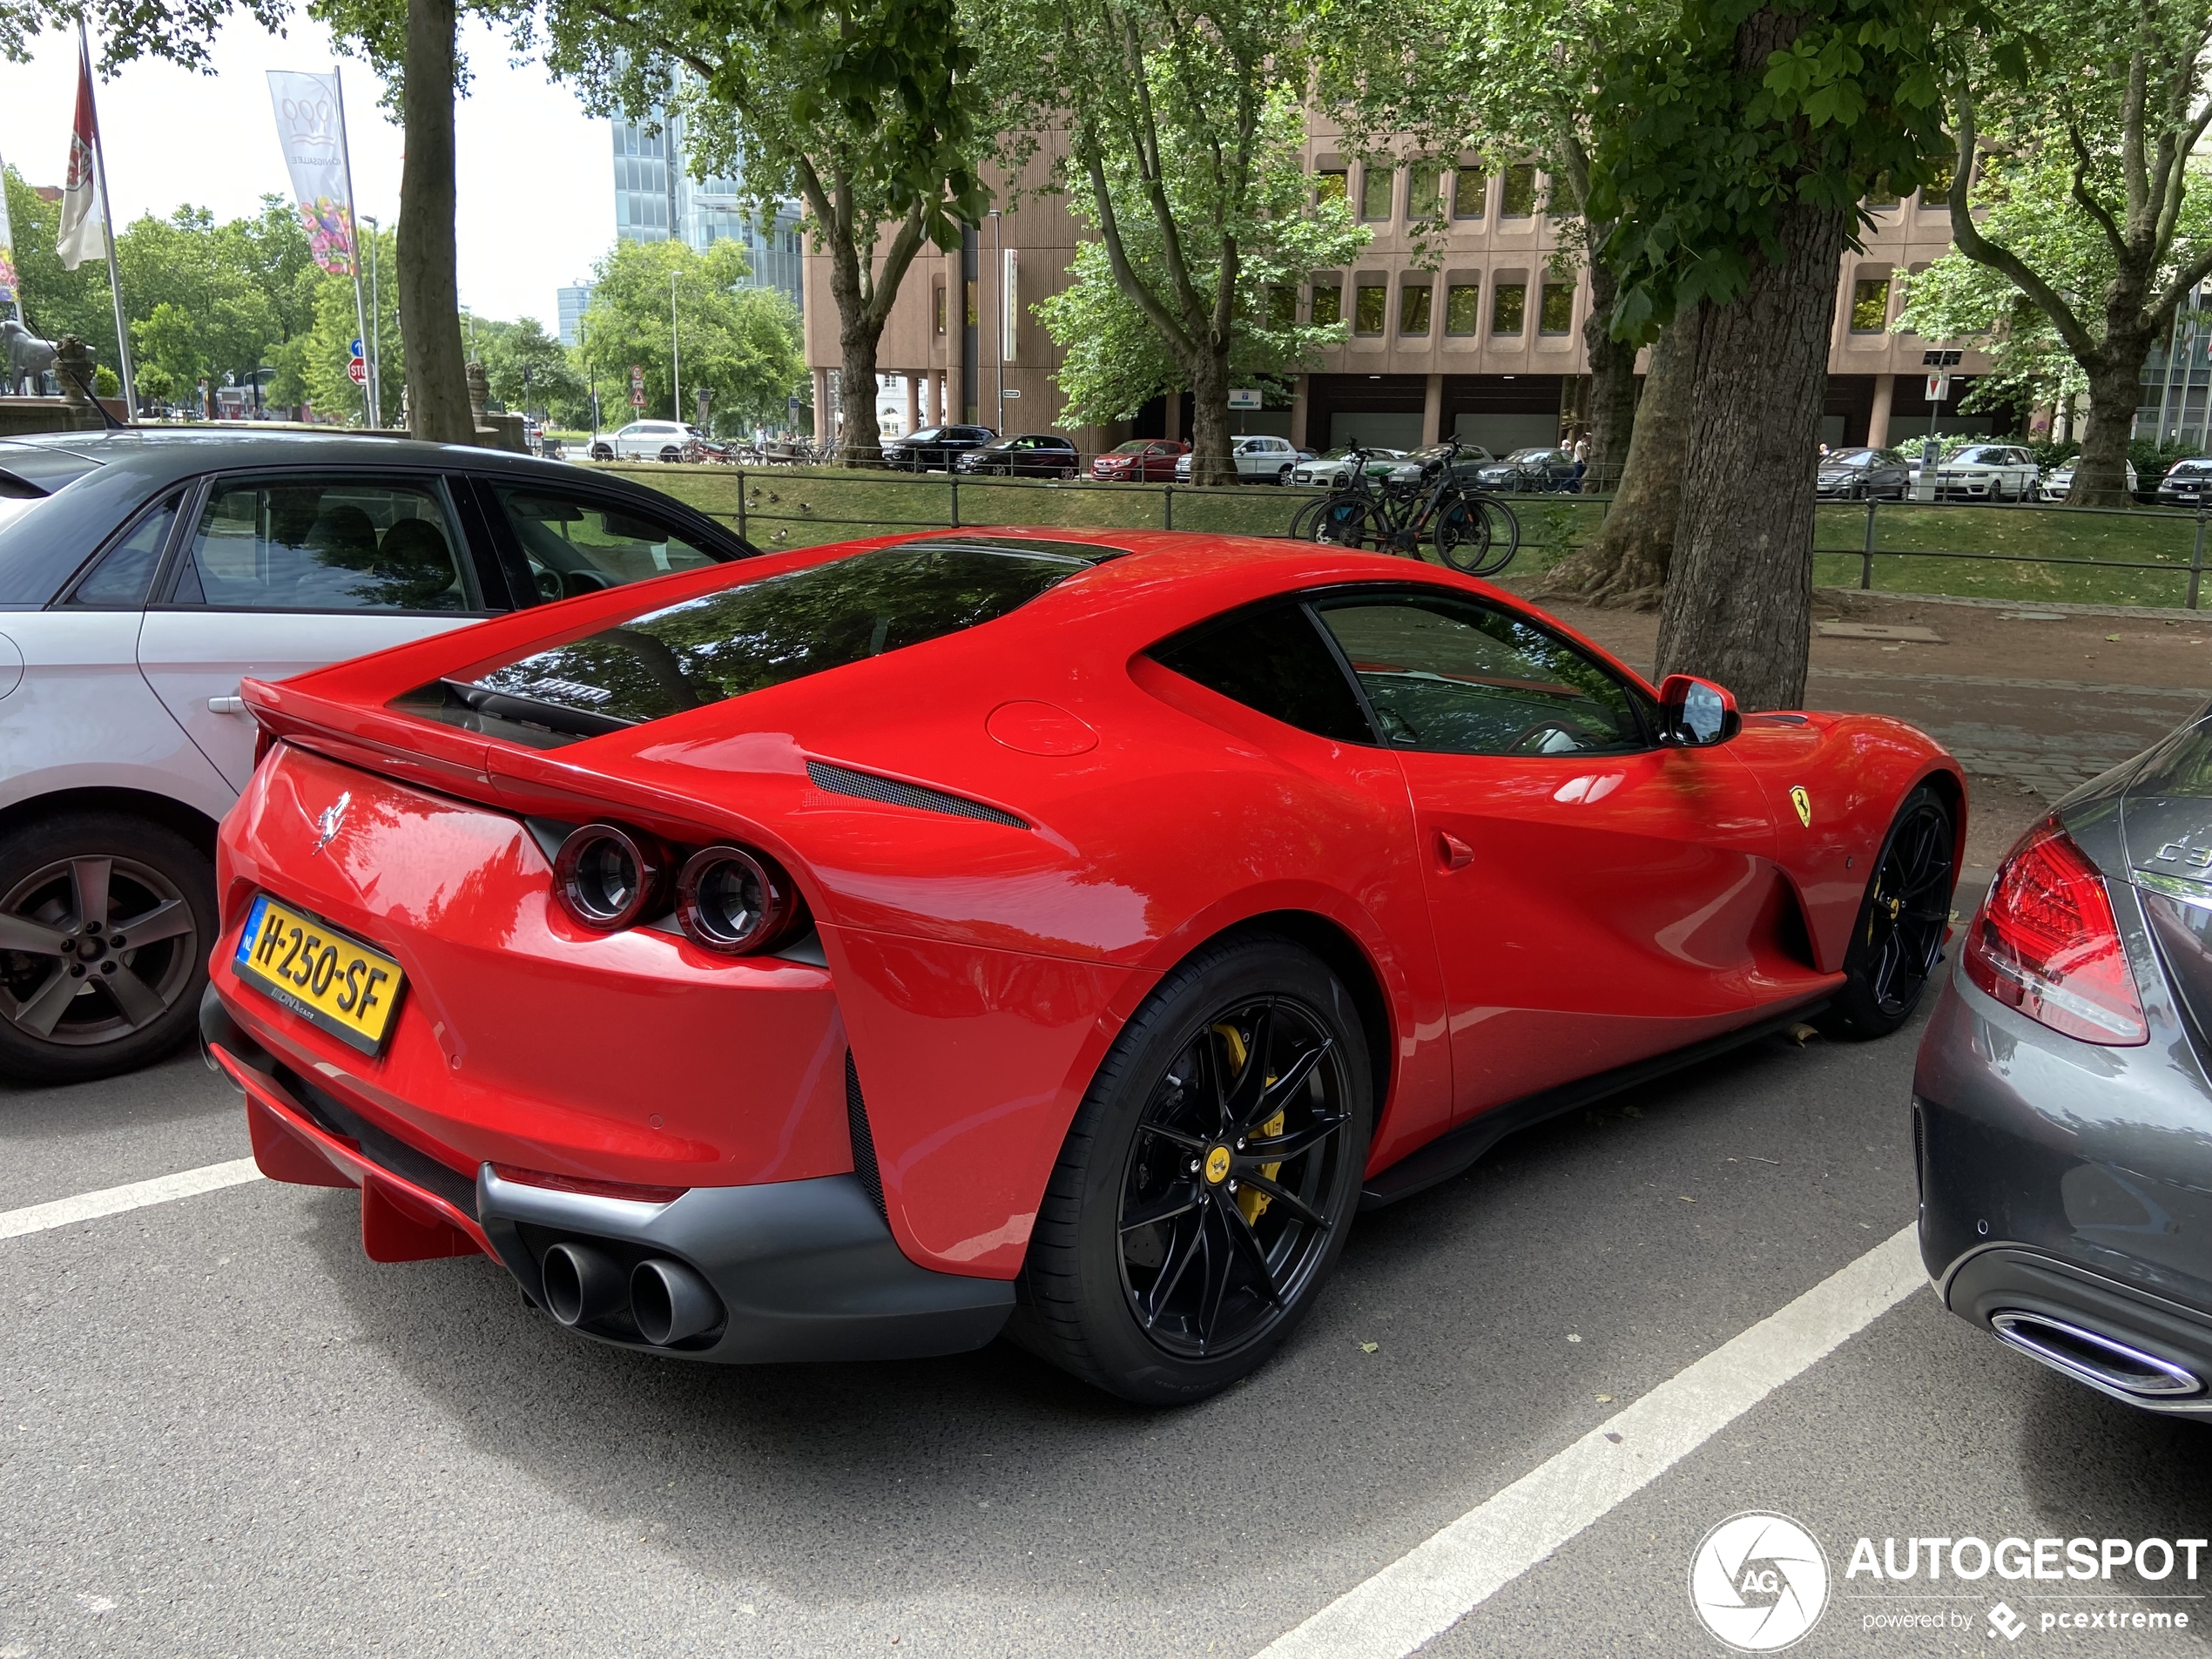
point(605, 877)
point(734, 901)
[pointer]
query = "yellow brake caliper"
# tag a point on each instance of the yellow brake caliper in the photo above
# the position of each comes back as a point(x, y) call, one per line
point(1251, 1200)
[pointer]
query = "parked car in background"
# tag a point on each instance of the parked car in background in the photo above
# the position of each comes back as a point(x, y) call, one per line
point(1322, 473)
point(1259, 460)
point(652, 441)
point(1989, 472)
point(2060, 485)
point(934, 448)
point(2186, 483)
point(143, 575)
point(1032, 455)
point(1472, 458)
point(1139, 460)
point(1542, 468)
point(1856, 475)
point(2062, 1101)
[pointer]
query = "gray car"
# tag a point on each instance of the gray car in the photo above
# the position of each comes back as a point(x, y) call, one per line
point(2062, 1103)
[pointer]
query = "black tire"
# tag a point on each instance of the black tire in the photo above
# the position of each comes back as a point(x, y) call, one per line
point(1283, 478)
point(1897, 938)
point(1339, 521)
point(59, 928)
point(1168, 1310)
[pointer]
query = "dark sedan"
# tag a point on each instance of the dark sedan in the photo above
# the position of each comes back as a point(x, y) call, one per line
point(2062, 1104)
point(2186, 483)
point(1538, 470)
point(1860, 474)
point(933, 448)
point(1030, 455)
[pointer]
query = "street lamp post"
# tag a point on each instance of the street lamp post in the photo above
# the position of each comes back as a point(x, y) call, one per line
point(371, 344)
point(998, 245)
point(675, 354)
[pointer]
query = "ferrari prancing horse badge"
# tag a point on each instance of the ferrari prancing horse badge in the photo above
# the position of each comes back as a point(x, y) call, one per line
point(1803, 802)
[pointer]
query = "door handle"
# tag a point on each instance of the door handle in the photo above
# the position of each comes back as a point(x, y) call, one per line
point(1452, 852)
point(226, 704)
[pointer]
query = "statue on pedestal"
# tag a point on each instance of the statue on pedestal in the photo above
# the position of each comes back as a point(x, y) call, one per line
point(26, 360)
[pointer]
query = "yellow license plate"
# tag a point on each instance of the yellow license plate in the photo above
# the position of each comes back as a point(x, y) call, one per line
point(318, 973)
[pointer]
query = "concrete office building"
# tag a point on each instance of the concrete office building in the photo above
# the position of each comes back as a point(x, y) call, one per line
point(1488, 343)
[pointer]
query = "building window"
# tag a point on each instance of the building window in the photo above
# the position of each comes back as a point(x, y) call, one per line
point(1376, 185)
point(1462, 309)
point(1328, 304)
point(1412, 310)
point(1282, 306)
point(940, 296)
point(1882, 198)
point(1508, 300)
point(1941, 171)
point(1470, 189)
point(1369, 309)
point(1556, 314)
point(1518, 200)
point(1331, 186)
point(1427, 189)
point(1869, 304)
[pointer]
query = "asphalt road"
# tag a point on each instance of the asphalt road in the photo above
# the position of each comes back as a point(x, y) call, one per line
point(224, 1431)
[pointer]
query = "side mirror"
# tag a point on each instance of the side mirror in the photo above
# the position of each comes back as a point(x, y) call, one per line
point(1694, 713)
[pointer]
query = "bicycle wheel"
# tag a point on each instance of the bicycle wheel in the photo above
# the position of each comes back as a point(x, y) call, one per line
point(1498, 542)
point(1462, 535)
point(1343, 521)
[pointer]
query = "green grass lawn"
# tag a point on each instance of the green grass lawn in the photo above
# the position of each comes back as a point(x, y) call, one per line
point(1917, 547)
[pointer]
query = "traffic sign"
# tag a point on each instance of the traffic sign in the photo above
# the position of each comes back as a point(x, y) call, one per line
point(636, 376)
point(356, 347)
point(1938, 387)
point(357, 372)
point(637, 398)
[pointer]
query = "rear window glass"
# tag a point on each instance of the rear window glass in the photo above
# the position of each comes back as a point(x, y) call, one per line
point(747, 638)
point(1273, 660)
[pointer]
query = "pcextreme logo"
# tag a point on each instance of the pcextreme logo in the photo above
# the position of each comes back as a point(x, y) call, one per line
point(1759, 1582)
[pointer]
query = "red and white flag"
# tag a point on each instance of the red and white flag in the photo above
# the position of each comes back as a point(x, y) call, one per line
point(82, 213)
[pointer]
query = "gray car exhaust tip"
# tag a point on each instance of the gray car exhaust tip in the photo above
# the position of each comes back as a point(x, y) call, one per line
point(2090, 1356)
point(583, 1285)
point(671, 1302)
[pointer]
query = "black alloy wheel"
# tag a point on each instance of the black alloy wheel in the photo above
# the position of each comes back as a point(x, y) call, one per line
point(1897, 940)
point(1209, 1180)
point(105, 921)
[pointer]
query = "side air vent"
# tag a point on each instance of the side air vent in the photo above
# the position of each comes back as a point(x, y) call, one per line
point(856, 1121)
point(843, 780)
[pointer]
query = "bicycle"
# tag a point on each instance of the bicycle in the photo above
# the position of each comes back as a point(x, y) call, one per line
point(1474, 532)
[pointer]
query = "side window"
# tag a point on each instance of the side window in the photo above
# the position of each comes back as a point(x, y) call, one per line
point(125, 570)
point(1465, 679)
point(579, 546)
point(326, 544)
point(1271, 660)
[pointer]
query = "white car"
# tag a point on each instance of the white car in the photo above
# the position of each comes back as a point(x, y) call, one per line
point(650, 441)
point(1322, 474)
point(1989, 472)
point(2060, 485)
point(1259, 461)
point(143, 575)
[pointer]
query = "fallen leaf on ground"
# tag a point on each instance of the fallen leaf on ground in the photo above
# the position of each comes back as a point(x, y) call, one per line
point(1369, 1347)
point(1605, 1400)
point(1686, 1198)
point(2112, 640)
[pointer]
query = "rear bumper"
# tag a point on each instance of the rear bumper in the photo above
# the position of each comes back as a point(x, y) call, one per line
point(804, 1270)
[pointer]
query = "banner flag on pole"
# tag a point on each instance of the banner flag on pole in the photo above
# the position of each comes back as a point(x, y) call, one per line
point(313, 131)
point(83, 218)
point(10, 284)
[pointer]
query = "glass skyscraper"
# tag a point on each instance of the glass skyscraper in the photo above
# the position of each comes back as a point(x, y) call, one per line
point(656, 198)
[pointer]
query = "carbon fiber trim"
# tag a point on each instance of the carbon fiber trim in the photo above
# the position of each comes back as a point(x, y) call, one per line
point(856, 1121)
point(843, 780)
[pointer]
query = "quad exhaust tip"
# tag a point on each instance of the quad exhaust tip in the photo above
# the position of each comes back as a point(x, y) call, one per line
point(671, 1302)
point(583, 1285)
point(2090, 1356)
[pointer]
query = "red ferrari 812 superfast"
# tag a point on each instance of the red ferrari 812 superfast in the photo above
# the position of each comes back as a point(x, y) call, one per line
point(864, 951)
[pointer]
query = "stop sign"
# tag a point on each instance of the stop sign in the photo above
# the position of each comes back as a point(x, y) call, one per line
point(357, 372)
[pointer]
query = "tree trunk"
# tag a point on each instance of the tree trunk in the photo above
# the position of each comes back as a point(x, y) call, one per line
point(1739, 605)
point(862, 442)
point(2115, 386)
point(1625, 565)
point(1211, 463)
point(1612, 387)
point(437, 384)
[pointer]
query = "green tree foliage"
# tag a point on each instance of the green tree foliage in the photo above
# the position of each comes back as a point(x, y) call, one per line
point(530, 371)
point(1118, 359)
point(742, 345)
point(1731, 157)
point(871, 113)
point(1173, 114)
point(311, 370)
point(2084, 155)
point(55, 301)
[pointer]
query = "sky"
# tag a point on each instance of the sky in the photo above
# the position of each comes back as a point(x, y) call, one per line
point(536, 174)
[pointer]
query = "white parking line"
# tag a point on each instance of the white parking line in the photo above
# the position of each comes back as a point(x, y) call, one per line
point(1431, 1588)
point(110, 1201)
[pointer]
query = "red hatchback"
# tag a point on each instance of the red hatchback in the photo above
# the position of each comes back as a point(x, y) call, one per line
point(784, 960)
point(1139, 461)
